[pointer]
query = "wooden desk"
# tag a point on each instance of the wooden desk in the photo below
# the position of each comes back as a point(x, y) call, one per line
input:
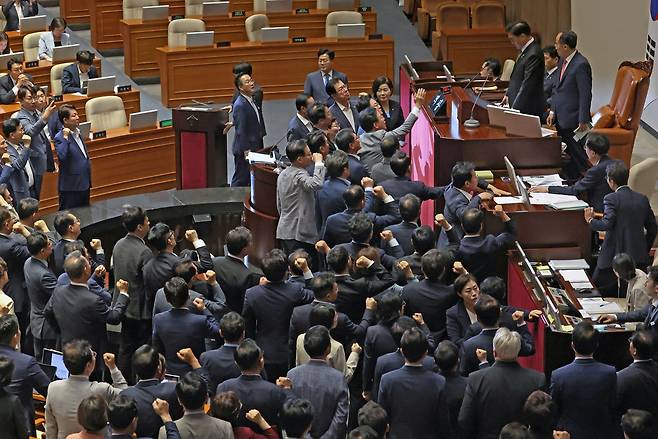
point(41, 74)
point(360, 59)
point(75, 11)
point(131, 102)
point(123, 164)
point(467, 48)
point(141, 38)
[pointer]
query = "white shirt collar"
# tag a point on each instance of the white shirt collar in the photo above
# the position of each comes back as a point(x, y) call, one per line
point(530, 41)
point(344, 108)
point(303, 120)
point(466, 194)
point(551, 71)
point(570, 57)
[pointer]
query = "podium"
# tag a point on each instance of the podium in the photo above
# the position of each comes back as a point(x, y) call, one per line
point(200, 146)
point(260, 213)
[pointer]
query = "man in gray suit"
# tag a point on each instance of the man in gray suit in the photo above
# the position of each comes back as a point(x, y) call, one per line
point(373, 123)
point(192, 392)
point(295, 199)
point(35, 126)
point(323, 385)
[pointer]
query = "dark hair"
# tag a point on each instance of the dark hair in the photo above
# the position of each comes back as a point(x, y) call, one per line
point(551, 51)
point(487, 310)
point(121, 411)
point(300, 253)
point(316, 140)
point(353, 196)
point(63, 220)
point(461, 173)
point(317, 341)
point(74, 246)
point(344, 138)
point(145, 362)
point(296, 149)
point(379, 81)
point(36, 242)
point(363, 432)
point(514, 430)
point(585, 338)
point(26, 207)
point(644, 342)
point(75, 264)
point(192, 391)
point(330, 53)
point(176, 291)
point(336, 163)
point(65, 112)
point(338, 258)
point(77, 354)
point(409, 207)
point(57, 22)
point(331, 87)
point(472, 220)
point(462, 280)
point(301, 101)
point(638, 424)
point(8, 328)
point(389, 304)
point(5, 215)
point(275, 265)
point(132, 217)
point(238, 79)
point(247, 354)
point(495, 287)
point(232, 327)
point(434, 263)
point(360, 227)
point(5, 37)
point(13, 61)
point(518, 28)
point(22, 92)
point(653, 273)
point(446, 356)
point(242, 68)
point(296, 416)
point(598, 143)
point(85, 57)
point(362, 101)
point(92, 413)
point(322, 285)
point(158, 236)
point(540, 412)
point(374, 416)
point(317, 112)
point(423, 239)
point(624, 265)
point(3, 267)
point(186, 269)
point(6, 371)
point(225, 406)
point(368, 118)
point(617, 172)
point(237, 239)
point(389, 146)
point(494, 65)
point(413, 345)
point(322, 315)
point(10, 126)
point(569, 38)
point(400, 163)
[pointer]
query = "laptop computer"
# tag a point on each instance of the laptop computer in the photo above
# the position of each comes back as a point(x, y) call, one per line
point(497, 116)
point(56, 359)
point(50, 371)
point(38, 23)
point(448, 73)
point(278, 6)
point(65, 53)
point(356, 30)
point(199, 39)
point(4, 59)
point(143, 120)
point(85, 129)
point(213, 9)
point(159, 12)
point(526, 125)
point(341, 5)
point(511, 173)
point(101, 86)
point(273, 34)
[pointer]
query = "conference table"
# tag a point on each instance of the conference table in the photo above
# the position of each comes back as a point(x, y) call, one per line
point(141, 38)
point(279, 67)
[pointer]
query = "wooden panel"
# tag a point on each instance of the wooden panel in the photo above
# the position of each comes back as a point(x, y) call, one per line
point(16, 39)
point(140, 38)
point(41, 74)
point(468, 48)
point(105, 17)
point(360, 59)
point(123, 164)
point(75, 11)
point(248, 5)
point(176, 7)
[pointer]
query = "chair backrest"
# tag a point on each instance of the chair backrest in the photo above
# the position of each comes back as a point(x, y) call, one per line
point(132, 9)
point(56, 73)
point(31, 46)
point(488, 14)
point(178, 29)
point(194, 8)
point(253, 25)
point(630, 93)
point(452, 15)
point(106, 113)
point(642, 176)
point(260, 5)
point(508, 66)
point(340, 17)
point(431, 5)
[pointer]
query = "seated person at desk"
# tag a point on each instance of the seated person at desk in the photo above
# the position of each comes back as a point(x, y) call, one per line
point(594, 181)
point(635, 280)
point(10, 83)
point(55, 37)
point(343, 110)
point(14, 10)
point(78, 73)
point(4, 44)
point(316, 82)
point(74, 165)
point(382, 88)
point(299, 126)
point(491, 69)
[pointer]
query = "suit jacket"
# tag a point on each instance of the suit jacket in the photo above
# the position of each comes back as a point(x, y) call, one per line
point(15, 256)
point(637, 387)
point(478, 253)
point(200, 425)
point(144, 392)
point(403, 233)
point(235, 278)
point(41, 156)
point(572, 96)
point(74, 166)
point(482, 414)
point(71, 78)
point(220, 365)
point(314, 86)
point(176, 329)
point(342, 120)
point(58, 256)
point(352, 293)
point(585, 392)
point(130, 254)
point(387, 260)
point(484, 340)
point(394, 361)
point(382, 171)
point(594, 183)
point(399, 186)
point(457, 323)
point(329, 199)
point(9, 10)
point(327, 390)
point(249, 127)
point(40, 283)
point(630, 227)
point(432, 299)
point(47, 44)
point(526, 85)
point(399, 394)
point(550, 82)
point(371, 152)
point(296, 130)
point(7, 95)
point(456, 204)
point(394, 118)
point(18, 179)
point(358, 170)
point(14, 423)
point(26, 377)
point(648, 315)
point(295, 201)
point(455, 388)
point(267, 311)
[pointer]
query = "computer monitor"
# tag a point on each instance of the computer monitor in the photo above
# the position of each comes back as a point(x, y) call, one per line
point(85, 129)
point(50, 371)
point(56, 359)
point(522, 190)
point(4, 59)
point(38, 23)
point(65, 53)
point(143, 120)
point(101, 86)
point(214, 9)
point(448, 73)
point(274, 34)
point(498, 116)
point(159, 12)
point(511, 173)
point(356, 30)
point(341, 5)
point(525, 125)
point(199, 39)
point(278, 6)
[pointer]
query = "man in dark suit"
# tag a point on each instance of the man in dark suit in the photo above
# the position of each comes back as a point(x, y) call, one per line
point(220, 363)
point(478, 252)
point(483, 413)
point(249, 128)
point(40, 282)
point(382, 171)
point(28, 8)
point(585, 390)
point(637, 384)
point(316, 82)
point(299, 126)
point(410, 214)
point(267, 311)
point(23, 178)
point(150, 371)
point(329, 199)
point(343, 110)
point(74, 180)
point(12, 81)
point(629, 223)
point(526, 85)
point(75, 76)
point(402, 183)
point(551, 75)
point(401, 389)
point(349, 142)
point(594, 182)
point(572, 98)
point(446, 357)
point(67, 226)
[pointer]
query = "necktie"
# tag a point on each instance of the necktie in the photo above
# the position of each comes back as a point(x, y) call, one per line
point(564, 68)
point(650, 316)
point(325, 78)
point(28, 169)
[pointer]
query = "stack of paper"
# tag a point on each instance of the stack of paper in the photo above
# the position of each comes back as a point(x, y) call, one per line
point(255, 157)
point(568, 264)
point(572, 276)
point(543, 199)
point(596, 305)
point(508, 200)
point(543, 180)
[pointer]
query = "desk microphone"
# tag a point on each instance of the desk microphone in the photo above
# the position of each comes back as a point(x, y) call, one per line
point(485, 65)
point(471, 122)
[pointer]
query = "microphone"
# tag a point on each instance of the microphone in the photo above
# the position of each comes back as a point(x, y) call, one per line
point(486, 64)
point(474, 123)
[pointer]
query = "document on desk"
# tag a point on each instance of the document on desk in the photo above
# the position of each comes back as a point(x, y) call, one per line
point(254, 157)
point(568, 264)
point(596, 305)
point(508, 200)
point(572, 276)
point(537, 198)
point(544, 180)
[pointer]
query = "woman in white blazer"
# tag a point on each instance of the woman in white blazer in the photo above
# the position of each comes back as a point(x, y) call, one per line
point(54, 38)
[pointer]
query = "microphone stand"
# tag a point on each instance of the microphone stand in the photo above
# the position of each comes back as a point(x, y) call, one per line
point(471, 122)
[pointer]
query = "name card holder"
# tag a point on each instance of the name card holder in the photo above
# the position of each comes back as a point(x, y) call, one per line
point(99, 135)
